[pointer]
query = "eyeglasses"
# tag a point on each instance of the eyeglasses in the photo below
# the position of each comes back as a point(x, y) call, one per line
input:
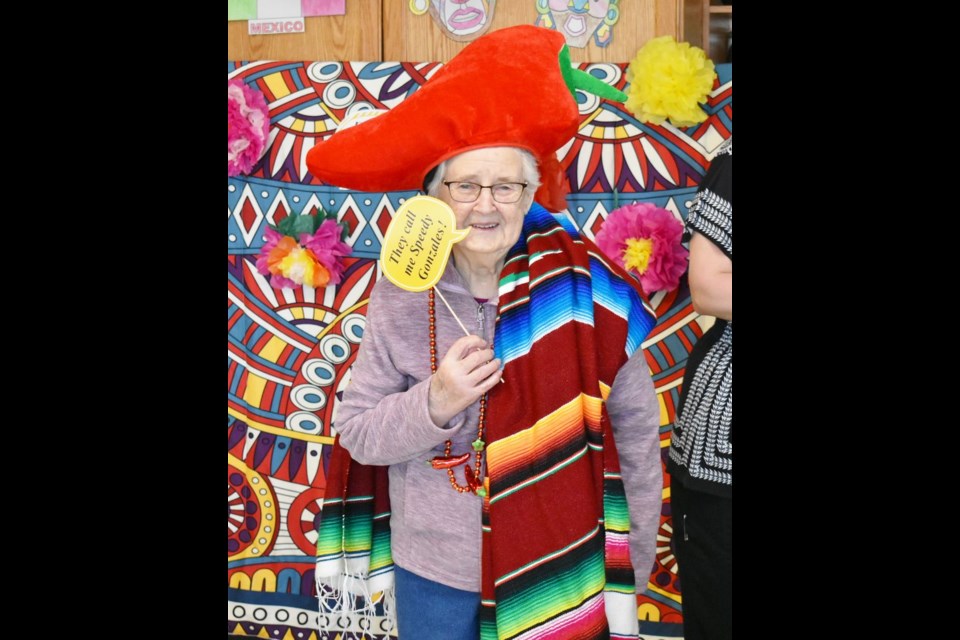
point(502, 192)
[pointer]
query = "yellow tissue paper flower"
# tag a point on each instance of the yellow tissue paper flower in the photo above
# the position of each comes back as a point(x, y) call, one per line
point(668, 80)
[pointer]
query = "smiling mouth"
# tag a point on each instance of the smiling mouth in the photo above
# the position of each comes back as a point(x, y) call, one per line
point(466, 18)
point(486, 226)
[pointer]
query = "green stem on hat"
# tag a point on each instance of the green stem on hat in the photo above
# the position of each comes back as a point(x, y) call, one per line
point(577, 79)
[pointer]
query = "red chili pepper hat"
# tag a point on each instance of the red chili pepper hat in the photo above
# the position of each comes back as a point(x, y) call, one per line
point(511, 87)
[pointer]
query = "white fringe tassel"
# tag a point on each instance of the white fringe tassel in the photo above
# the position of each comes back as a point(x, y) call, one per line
point(350, 595)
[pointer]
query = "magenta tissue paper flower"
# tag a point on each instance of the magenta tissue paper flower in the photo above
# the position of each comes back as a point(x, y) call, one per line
point(271, 239)
point(276, 280)
point(646, 240)
point(325, 244)
point(248, 125)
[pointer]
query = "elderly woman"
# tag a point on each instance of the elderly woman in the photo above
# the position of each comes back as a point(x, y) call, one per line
point(523, 461)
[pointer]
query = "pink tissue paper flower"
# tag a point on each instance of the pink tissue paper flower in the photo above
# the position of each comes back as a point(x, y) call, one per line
point(248, 125)
point(325, 244)
point(314, 259)
point(646, 240)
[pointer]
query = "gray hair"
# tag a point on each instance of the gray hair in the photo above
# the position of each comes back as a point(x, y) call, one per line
point(531, 175)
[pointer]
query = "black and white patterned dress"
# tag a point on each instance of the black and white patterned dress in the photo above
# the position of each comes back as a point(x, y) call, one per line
point(701, 445)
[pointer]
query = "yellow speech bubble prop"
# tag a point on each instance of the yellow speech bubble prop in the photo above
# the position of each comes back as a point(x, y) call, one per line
point(418, 243)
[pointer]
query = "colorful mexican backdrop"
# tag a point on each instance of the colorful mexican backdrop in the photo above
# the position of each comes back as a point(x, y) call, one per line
point(289, 350)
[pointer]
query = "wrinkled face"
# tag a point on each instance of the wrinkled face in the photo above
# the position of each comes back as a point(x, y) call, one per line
point(464, 17)
point(578, 19)
point(494, 226)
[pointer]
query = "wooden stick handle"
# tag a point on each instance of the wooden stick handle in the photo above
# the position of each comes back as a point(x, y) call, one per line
point(451, 311)
point(455, 317)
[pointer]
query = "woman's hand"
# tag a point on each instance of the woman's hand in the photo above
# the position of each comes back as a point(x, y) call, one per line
point(467, 371)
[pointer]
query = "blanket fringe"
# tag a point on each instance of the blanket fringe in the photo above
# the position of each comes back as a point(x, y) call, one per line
point(349, 596)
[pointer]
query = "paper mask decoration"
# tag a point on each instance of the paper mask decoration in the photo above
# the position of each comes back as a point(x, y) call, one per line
point(418, 242)
point(577, 20)
point(460, 20)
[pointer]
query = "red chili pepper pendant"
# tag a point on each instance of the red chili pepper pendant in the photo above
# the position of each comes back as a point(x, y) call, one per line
point(472, 482)
point(448, 462)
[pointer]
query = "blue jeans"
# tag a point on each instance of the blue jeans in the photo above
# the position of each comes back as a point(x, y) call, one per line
point(428, 610)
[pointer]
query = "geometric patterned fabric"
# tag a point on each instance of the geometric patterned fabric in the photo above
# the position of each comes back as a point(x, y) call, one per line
point(289, 351)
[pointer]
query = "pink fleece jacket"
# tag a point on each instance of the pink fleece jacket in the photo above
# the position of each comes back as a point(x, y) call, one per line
point(383, 420)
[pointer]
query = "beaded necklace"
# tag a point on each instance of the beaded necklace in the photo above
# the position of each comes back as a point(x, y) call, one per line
point(446, 461)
